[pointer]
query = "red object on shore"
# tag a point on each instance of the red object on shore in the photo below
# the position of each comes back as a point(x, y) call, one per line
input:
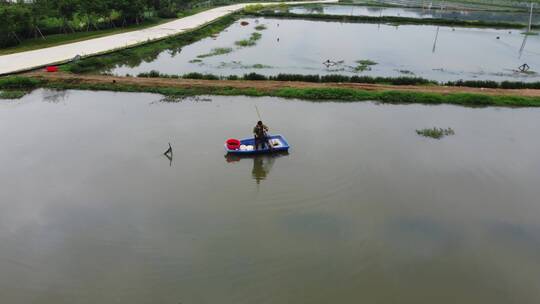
point(51, 68)
point(233, 144)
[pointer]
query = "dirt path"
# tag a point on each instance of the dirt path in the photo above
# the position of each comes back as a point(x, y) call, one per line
point(270, 85)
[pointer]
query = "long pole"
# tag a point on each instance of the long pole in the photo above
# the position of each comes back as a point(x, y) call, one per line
point(258, 114)
point(530, 16)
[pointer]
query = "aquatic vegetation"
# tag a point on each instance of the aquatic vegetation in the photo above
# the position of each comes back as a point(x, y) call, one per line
point(259, 66)
point(249, 42)
point(216, 52)
point(364, 65)
point(195, 61)
point(436, 133)
point(260, 27)
point(240, 65)
point(406, 72)
point(12, 94)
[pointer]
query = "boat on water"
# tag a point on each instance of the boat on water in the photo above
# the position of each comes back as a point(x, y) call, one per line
point(246, 146)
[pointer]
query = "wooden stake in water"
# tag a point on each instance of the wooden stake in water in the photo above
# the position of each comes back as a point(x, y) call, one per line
point(530, 16)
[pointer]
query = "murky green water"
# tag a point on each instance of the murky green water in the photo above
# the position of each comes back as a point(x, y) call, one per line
point(354, 10)
point(361, 210)
point(438, 53)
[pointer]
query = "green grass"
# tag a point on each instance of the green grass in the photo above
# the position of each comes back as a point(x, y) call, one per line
point(436, 133)
point(260, 27)
point(12, 94)
point(59, 39)
point(216, 52)
point(318, 94)
point(249, 42)
point(18, 82)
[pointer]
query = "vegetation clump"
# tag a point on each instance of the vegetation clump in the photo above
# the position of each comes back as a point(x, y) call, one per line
point(18, 82)
point(216, 52)
point(435, 132)
point(249, 42)
point(260, 27)
point(364, 65)
point(12, 94)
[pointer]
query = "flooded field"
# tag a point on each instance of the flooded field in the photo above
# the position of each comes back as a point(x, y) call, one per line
point(362, 209)
point(315, 47)
point(354, 10)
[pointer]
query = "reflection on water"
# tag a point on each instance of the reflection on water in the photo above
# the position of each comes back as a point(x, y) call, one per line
point(362, 210)
point(405, 50)
point(355, 10)
point(262, 164)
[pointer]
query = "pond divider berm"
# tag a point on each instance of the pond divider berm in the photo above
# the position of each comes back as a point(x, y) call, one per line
point(340, 92)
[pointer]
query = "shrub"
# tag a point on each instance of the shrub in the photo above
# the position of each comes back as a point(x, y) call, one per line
point(254, 76)
point(18, 82)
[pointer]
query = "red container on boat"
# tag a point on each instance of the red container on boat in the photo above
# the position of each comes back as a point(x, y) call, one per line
point(51, 68)
point(233, 144)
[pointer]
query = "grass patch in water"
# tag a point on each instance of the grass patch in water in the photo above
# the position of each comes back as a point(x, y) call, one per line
point(216, 52)
point(435, 132)
point(249, 42)
point(260, 27)
point(195, 61)
point(364, 65)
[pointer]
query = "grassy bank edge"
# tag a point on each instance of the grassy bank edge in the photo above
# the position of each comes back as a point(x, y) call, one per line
point(152, 48)
point(314, 94)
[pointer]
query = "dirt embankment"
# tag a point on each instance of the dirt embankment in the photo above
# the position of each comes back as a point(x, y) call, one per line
point(271, 85)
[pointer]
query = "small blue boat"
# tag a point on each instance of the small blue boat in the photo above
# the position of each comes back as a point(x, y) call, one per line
point(247, 146)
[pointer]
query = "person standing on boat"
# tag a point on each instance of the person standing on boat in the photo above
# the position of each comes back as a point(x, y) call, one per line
point(261, 137)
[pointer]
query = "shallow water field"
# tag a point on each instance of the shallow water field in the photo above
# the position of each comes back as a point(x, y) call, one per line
point(362, 209)
point(374, 11)
point(315, 47)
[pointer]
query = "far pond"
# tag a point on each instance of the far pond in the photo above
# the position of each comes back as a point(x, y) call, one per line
point(303, 47)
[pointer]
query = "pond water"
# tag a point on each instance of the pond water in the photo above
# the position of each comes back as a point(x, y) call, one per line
point(355, 10)
point(362, 209)
point(303, 47)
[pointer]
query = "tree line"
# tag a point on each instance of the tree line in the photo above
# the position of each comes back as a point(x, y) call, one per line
point(24, 19)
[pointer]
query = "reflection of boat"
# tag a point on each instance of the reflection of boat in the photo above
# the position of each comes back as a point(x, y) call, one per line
point(262, 164)
point(279, 144)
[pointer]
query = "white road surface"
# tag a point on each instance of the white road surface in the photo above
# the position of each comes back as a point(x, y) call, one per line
point(29, 60)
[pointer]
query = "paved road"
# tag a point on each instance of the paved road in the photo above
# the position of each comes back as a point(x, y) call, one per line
point(24, 61)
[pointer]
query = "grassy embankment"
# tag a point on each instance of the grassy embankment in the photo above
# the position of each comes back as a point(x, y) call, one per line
point(392, 20)
point(315, 94)
point(147, 51)
point(59, 39)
